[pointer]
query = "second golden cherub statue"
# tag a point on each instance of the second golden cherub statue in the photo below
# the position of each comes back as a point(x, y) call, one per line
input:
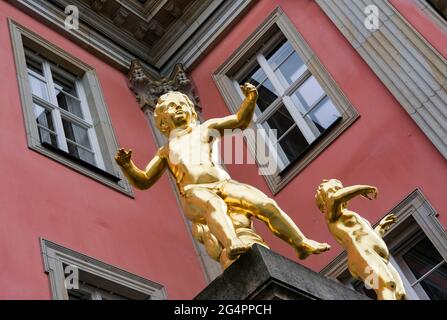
point(368, 255)
point(219, 207)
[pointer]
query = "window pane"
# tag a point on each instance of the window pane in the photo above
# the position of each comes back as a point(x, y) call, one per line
point(38, 87)
point(293, 144)
point(279, 54)
point(422, 257)
point(256, 77)
point(69, 103)
point(62, 83)
point(76, 133)
point(43, 117)
point(45, 120)
point(292, 69)
point(81, 153)
point(291, 140)
point(47, 136)
point(67, 95)
point(435, 284)
point(324, 115)
point(79, 295)
point(266, 95)
point(280, 121)
point(286, 63)
point(309, 93)
point(34, 66)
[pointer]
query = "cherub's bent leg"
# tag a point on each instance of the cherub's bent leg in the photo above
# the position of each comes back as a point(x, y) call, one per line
point(400, 290)
point(267, 210)
point(374, 271)
point(204, 205)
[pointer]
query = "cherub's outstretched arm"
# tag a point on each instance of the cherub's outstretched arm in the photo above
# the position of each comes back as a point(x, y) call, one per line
point(240, 120)
point(345, 194)
point(137, 177)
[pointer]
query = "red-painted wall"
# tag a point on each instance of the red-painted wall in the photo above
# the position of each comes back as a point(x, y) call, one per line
point(384, 147)
point(41, 198)
point(146, 235)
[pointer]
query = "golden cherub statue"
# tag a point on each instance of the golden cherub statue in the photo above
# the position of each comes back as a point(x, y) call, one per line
point(219, 207)
point(368, 255)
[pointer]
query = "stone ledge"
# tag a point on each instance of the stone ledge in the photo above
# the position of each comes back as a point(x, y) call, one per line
point(262, 274)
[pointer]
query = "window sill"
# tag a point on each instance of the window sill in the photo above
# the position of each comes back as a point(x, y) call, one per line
point(82, 167)
point(81, 162)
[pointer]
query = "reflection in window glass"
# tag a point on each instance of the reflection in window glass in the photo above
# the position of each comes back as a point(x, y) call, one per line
point(280, 121)
point(279, 54)
point(288, 135)
point(81, 153)
point(45, 125)
point(324, 115)
point(310, 93)
point(292, 69)
point(67, 95)
point(38, 87)
point(76, 133)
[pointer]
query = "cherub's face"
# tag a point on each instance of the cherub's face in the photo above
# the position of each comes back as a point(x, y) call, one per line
point(325, 190)
point(175, 113)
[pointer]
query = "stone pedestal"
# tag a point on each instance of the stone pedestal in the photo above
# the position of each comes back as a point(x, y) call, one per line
point(264, 275)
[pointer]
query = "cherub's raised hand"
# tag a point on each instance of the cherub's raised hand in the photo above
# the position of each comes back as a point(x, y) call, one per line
point(387, 222)
point(370, 193)
point(123, 157)
point(250, 91)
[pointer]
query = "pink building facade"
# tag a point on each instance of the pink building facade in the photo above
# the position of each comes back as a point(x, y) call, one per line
point(351, 100)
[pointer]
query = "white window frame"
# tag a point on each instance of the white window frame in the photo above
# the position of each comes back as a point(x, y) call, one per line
point(224, 78)
point(58, 113)
point(102, 136)
point(284, 90)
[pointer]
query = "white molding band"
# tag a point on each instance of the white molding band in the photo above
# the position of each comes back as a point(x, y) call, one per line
point(121, 51)
point(211, 31)
point(414, 72)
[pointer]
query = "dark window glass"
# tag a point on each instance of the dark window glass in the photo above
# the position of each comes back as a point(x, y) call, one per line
point(421, 259)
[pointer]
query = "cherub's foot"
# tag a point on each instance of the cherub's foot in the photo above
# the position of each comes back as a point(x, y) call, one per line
point(236, 249)
point(401, 295)
point(308, 247)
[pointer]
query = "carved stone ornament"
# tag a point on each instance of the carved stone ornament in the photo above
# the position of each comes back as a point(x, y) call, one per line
point(148, 89)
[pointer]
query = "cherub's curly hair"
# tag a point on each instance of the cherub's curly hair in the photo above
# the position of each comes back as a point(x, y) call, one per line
point(322, 190)
point(161, 106)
